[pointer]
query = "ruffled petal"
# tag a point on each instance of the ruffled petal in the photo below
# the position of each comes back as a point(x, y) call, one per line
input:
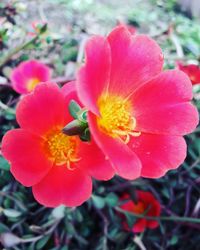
point(152, 205)
point(63, 186)
point(35, 69)
point(43, 110)
point(25, 152)
point(162, 105)
point(18, 82)
point(139, 226)
point(123, 160)
point(69, 91)
point(158, 153)
point(93, 77)
point(94, 161)
point(135, 59)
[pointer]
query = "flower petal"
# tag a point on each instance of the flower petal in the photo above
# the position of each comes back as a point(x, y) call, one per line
point(63, 186)
point(162, 105)
point(42, 110)
point(158, 153)
point(18, 81)
point(69, 91)
point(92, 79)
point(35, 69)
point(152, 205)
point(139, 226)
point(95, 162)
point(124, 161)
point(135, 59)
point(24, 151)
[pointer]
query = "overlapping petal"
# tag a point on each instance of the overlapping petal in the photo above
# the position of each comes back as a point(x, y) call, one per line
point(94, 161)
point(93, 77)
point(25, 151)
point(43, 109)
point(161, 106)
point(124, 161)
point(135, 59)
point(158, 153)
point(63, 186)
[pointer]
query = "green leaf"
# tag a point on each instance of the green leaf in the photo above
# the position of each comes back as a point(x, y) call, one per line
point(4, 165)
point(131, 219)
point(11, 213)
point(3, 228)
point(59, 212)
point(111, 199)
point(74, 108)
point(41, 243)
point(98, 201)
point(173, 240)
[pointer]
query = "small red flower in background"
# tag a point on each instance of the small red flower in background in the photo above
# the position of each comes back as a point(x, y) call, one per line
point(58, 167)
point(146, 204)
point(192, 70)
point(137, 113)
point(28, 74)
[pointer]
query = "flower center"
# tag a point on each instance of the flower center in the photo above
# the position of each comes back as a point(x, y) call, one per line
point(139, 208)
point(32, 83)
point(116, 117)
point(62, 149)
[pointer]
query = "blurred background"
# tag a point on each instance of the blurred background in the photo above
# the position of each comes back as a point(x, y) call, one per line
point(55, 32)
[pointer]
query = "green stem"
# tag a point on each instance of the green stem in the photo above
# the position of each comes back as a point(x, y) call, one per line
point(158, 218)
point(14, 51)
point(6, 108)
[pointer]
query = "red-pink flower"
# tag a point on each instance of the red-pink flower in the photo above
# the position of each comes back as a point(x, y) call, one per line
point(28, 74)
point(57, 166)
point(147, 205)
point(192, 70)
point(137, 113)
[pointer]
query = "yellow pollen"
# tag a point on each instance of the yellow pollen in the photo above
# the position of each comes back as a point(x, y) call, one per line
point(62, 149)
point(116, 117)
point(32, 83)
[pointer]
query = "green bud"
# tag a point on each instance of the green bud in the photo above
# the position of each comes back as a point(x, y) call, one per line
point(74, 108)
point(75, 127)
point(85, 136)
point(82, 116)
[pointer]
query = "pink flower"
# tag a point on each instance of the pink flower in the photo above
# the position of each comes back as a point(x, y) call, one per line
point(57, 167)
point(192, 70)
point(148, 205)
point(28, 74)
point(137, 114)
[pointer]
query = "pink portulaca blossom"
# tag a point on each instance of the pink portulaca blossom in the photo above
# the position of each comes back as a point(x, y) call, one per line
point(57, 167)
point(27, 75)
point(137, 113)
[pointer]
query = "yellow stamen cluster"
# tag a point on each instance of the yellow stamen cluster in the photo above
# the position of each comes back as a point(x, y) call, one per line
point(116, 117)
point(32, 83)
point(62, 149)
